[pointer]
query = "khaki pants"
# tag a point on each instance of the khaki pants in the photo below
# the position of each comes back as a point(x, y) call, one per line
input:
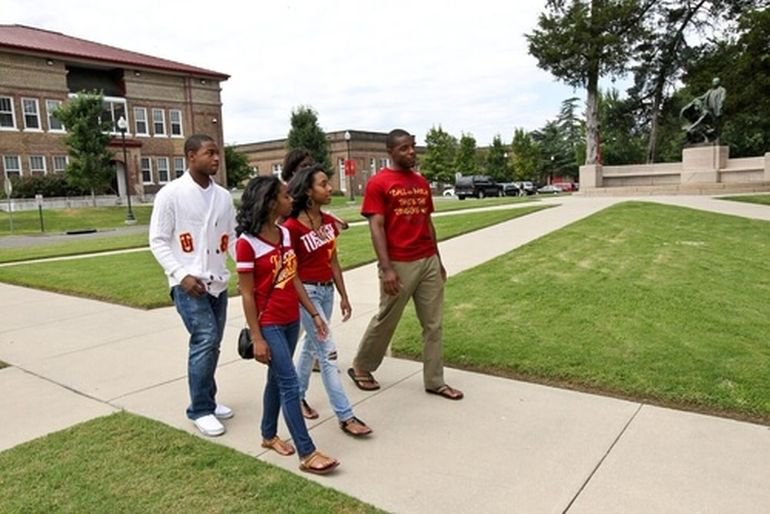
point(420, 280)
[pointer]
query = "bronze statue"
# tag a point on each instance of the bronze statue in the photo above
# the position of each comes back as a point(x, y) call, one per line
point(703, 115)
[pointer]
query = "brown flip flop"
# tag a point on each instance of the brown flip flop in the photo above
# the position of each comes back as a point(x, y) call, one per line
point(447, 392)
point(278, 446)
point(361, 380)
point(306, 464)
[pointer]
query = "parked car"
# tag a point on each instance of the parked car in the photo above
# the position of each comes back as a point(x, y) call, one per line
point(478, 186)
point(448, 192)
point(511, 189)
point(549, 189)
point(566, 186)
point(527, 187)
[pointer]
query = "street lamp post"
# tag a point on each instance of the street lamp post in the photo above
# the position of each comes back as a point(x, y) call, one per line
point(122, 126)
point(347, 164)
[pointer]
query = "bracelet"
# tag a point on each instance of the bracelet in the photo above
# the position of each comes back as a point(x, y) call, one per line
point(314, 315)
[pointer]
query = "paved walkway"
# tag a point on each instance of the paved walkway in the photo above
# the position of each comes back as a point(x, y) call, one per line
point(508, 447)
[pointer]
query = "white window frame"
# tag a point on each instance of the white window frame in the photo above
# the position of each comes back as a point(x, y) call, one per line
point(142, 169)
point(12, 113)
point(155, 133)
point(66, 162)
point(341, 174)
point(277, 168)
point(49, 115)
point(17, 172)
point(158, 167)
point(384, 162)
point(112, 100)
point(24, 114)
point(171, 123)
point(143, 110)
point(178, 172)
point(37, 171)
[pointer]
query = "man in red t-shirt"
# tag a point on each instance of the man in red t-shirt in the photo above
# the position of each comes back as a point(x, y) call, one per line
point(398, 204)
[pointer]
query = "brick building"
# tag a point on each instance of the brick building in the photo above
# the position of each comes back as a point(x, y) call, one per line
point(367, 149)
point(162, 101)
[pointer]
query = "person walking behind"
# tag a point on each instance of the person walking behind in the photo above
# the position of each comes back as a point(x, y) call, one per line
point(398, 205)
point(271, 293)
point(192, 229)
point(313, 236)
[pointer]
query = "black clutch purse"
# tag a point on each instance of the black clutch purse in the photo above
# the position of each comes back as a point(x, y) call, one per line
point(245, 345)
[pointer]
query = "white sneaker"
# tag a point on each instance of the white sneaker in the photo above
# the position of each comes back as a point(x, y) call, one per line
point(209, 425)
point(223, 412)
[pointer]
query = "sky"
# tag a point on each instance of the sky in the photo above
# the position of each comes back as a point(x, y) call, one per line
point(361, 65)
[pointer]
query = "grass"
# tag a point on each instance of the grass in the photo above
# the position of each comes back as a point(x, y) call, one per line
point(63, 220)
point(135, 279)
point(101, 244)
point(125, 463)
point(655, 303)
point(759, 199)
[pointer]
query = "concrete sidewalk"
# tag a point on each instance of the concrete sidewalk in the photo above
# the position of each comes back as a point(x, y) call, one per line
point(507, 447)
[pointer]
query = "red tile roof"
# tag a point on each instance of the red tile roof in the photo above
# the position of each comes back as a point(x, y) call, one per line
point(21, 37)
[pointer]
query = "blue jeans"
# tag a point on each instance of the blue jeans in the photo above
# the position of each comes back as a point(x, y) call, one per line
point(281, 391)
point(323, 300)
point(204, 318)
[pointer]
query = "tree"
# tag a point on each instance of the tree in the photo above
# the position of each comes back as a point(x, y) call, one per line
point(525, 156)
point(743, 65)
point(497, 161)
point(466, 160)
point(87, 142)
point(622, 135)
point(572, 129)
point(438, 162)
point(237, 165)
point(581, 41)
point(306, 133)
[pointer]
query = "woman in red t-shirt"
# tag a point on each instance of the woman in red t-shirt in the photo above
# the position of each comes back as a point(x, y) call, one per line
point(314, 239)
point(270, 288)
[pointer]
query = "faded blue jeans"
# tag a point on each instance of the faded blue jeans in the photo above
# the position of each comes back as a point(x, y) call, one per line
point(323, 300)
point(204, 318)
point(281, 391)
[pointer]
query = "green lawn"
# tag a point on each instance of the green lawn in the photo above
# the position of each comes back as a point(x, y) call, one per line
point(760, 199)
point(135, 279)
point(63, 220)
point(125, 463)
point(101, 244)
point(656, 303)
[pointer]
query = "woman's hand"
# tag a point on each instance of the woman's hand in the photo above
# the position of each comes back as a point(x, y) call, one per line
point(345, 308)
point(321, 330)
point(261, 351)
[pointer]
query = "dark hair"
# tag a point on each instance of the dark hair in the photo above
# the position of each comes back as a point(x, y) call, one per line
point(195, 141)
point(300, 183)
point(394, 134)
point(292, 161)
point(257, 200)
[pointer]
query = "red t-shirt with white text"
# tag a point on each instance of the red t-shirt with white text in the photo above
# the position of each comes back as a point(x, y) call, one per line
point(274, 267)
point(314, 248)
point(404, 199)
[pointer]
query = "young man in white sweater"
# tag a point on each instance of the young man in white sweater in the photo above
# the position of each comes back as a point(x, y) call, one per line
point(192, 230)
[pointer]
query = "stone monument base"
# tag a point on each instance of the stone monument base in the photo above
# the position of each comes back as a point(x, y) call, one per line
point(701, 164)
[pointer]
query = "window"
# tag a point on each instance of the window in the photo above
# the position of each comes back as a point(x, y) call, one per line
point(140, 121)
point(277, 169)
point(158, 122)
point(146, 170)
point(178, 166)
point(60, 163)
point(7, 115)
point(31, 110)
point(341, 174)
point(37, 164)
point(175, 118)
point(384, 163)
point(12, 166)
point(54, 123)
point(112, 109)
point(373, 165)
point(162, 164)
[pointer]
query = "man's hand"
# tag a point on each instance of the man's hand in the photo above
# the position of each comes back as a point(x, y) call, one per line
point(390, 282)
point(193, 286)
point(443, 273)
